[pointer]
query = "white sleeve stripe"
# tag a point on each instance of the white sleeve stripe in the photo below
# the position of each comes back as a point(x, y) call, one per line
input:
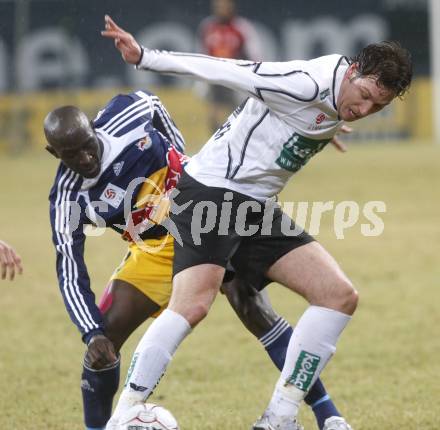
point(78, 297)
point(58, 216)
point(71, 274)
point(124, 112)
point(173, 131)
point(67, 177)
point(126, 119)
point(132, 119)
point(69, 267)
point(165, 119)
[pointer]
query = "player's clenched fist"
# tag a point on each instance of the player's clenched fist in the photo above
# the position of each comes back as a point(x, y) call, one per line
point(100, 352)
point(126, 44)
point(10, 261)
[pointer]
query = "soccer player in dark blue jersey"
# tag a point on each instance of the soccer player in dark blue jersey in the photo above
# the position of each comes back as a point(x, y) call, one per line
point(112, 171)
point(116, 172)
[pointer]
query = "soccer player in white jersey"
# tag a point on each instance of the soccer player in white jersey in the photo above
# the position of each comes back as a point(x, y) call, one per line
point(293, 110)
point(132, 140)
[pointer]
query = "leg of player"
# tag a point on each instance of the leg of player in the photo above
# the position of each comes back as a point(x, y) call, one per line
point(274, 332)
point(124, 308)
point(194, 290)
point(311, 272)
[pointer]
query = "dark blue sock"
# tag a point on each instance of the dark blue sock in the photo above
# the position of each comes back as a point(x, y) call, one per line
point(98, 388)
point(321, 403)
point(276, 341)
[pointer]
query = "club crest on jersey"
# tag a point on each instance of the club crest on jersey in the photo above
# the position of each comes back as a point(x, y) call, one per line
point(113, 195)
point(117, 167)
point(319, 118)
point(144, 143)
point(318, 123)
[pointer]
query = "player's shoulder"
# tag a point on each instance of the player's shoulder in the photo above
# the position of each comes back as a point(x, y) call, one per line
point(289, 77)
point(324, 69)
point(121, 105)
point(330, 60)
point(327, 65)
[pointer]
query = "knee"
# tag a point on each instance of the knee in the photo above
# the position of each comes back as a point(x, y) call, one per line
point(196, 313)
point(347, 297)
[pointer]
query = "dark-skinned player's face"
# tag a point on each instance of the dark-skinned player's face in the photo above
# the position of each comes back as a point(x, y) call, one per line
point(81, 152)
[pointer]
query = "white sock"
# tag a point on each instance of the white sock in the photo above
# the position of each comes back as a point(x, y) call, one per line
point(311, 346)
point(151, 358)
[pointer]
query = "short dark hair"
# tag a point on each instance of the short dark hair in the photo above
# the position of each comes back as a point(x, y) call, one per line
point(389, 62)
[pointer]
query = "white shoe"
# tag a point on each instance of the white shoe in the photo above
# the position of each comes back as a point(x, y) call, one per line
point(336, 423)
point(270, 422)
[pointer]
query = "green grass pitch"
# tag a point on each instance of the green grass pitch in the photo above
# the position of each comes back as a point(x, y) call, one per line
point(385, 374)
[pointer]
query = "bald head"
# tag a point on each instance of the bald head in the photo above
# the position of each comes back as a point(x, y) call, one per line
point(71, 137)
point(66, 126)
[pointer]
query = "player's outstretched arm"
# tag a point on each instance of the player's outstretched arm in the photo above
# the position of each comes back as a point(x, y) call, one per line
point(125, 43)
point(10, 261)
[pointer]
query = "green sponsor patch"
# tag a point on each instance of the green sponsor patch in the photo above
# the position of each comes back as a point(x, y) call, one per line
point(297, 151)
point(304, 371)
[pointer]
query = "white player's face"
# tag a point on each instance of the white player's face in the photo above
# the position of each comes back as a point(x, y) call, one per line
point(360, 96)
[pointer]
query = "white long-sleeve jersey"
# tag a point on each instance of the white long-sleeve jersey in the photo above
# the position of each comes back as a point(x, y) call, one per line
point(290, 115)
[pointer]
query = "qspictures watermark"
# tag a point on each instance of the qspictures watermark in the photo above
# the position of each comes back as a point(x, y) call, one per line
point(154, 209)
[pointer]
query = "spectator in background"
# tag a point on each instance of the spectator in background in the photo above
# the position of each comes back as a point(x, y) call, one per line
point(227, 35)
point(9, 261)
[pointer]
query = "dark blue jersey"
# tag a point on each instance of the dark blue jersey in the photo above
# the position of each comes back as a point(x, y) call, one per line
point(136, 133)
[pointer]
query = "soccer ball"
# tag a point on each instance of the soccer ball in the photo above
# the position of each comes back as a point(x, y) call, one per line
point(147, 416)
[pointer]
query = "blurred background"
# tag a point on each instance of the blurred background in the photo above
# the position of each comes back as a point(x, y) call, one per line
point(385, 374)
point(51, 53)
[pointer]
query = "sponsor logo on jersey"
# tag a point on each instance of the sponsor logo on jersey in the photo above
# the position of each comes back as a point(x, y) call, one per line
point(316, 127)
point(117, 167)
point(297, 151)
point(113, 195)
point(144, 143)
point(304, 371)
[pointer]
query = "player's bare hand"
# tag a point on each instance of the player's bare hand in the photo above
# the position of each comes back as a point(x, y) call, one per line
point(337, 143)
point(10, 261)
point(125, 42)
point(100, 352)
